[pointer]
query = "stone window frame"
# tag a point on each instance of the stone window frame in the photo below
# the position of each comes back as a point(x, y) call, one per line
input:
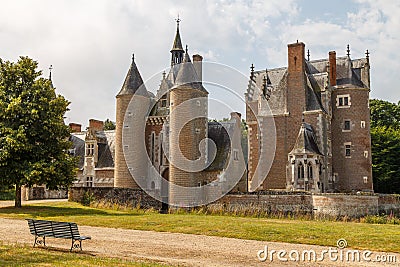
point(89, 181)
point(362, 124)
point(235, 154)
point(152, 146)
point(341, 101)
point(90, 149)
point(346, 122)
point(365, 179)
point(347, 149)
point(310, 169)
point(300, 170)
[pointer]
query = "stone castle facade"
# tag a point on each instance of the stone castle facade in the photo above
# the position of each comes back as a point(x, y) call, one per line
point(320, 112)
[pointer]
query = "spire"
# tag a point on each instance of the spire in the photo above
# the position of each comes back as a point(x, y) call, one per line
point(177, 50)
point(51, 82)
point(133, 81)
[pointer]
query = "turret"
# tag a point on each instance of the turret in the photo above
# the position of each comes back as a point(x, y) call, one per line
point(132, 105)
point(188, 127)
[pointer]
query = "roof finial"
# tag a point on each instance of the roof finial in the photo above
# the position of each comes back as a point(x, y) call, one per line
point(177, 22)
point(50, 68)
point(186, 49)
point(308, 54)
point(133, 57)
point(163, 75)
point(367, 54)
point(348, 50)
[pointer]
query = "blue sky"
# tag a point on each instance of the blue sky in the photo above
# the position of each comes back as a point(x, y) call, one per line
point(90, 43)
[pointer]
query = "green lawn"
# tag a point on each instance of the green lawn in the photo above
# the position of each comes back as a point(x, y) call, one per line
point(19, 255)
point(380, 237)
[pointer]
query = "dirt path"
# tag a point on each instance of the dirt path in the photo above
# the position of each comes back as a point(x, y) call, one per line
point(174, 248)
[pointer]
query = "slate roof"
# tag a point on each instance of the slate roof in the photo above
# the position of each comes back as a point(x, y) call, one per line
point(177, 46)
point(133, 83)
point(348, 74)
point(219, 133)
point(187, 75)
point(306, 141)
point(106, 148)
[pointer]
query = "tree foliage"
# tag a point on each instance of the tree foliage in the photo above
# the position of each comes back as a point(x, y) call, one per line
point(109, 125)
point(385, 139)
point(33, 136)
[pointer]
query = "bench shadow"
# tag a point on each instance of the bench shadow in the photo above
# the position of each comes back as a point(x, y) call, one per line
point(65, 250)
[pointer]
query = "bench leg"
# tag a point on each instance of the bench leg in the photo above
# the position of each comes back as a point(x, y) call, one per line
point(76, 245)
point(39, 240)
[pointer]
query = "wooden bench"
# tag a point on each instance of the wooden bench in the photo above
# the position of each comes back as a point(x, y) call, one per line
point(42, 229)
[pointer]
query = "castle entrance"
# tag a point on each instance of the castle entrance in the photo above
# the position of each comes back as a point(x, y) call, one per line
point(165, 191)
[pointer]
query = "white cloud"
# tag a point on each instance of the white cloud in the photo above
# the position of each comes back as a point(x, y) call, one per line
point(90, 43)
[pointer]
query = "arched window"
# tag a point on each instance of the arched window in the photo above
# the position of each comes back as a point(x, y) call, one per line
point(153, 185)
point(309, 171)
point(300, 171)
point(152, 146)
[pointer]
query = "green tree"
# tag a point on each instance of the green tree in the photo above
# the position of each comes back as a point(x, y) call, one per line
point(385, 162)
point(384, 113)
point(385, 139)
point(33, 136)
point(109, 125)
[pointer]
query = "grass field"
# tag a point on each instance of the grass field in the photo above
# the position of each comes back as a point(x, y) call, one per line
point(379, 237)
point(20, 255)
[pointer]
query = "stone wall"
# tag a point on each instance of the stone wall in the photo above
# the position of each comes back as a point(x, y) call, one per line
point(122, 196)
point(271, 202)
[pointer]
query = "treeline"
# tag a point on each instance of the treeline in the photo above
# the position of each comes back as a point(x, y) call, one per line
point(385, 138)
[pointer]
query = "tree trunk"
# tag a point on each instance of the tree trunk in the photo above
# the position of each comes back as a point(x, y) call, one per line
point(18, 203)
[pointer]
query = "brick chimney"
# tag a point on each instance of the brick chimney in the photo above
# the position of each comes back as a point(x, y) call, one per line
point(75, 127)
point(332, 68)
point(197, 63)
point(296, 81)
point(296, 57)
point(96, 125)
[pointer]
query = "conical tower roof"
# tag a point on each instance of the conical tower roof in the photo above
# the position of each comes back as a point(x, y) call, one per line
point(187, 75)
point(177, 46)
point(133, 83)
point(305, 142)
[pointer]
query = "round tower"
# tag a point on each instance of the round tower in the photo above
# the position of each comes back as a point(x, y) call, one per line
point(132, 104)
point(188, 127)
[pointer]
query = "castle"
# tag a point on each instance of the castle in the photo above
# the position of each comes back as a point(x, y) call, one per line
point(153, 130)
point(319, 110)
point(321, 114)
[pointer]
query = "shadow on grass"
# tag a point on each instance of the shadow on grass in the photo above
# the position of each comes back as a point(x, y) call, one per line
point(44, 211)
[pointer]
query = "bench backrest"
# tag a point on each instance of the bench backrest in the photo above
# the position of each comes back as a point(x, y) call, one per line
point(53, 229)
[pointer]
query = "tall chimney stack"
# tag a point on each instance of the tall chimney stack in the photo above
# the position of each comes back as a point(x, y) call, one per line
point(197, 63)
point(96, 125)
point(75, 127)
point(332, 68)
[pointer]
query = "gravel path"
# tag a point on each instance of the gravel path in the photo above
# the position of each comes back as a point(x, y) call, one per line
point(175, 248)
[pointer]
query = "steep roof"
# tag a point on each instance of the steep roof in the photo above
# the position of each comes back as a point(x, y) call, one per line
point(177, 45)
point(348, 73)
point(306, 142)
point(187, 75)
point(133, 83)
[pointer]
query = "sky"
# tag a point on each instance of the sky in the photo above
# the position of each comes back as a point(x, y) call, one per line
point(90, 42)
